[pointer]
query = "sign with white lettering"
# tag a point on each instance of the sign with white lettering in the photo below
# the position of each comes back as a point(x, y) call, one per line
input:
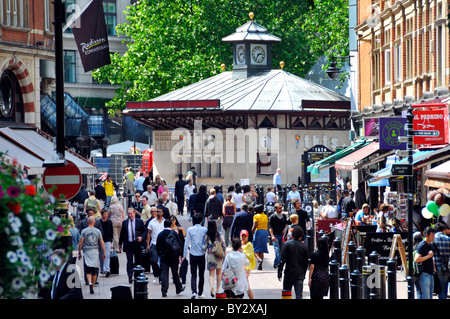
point(435, 120)
point(382, 243)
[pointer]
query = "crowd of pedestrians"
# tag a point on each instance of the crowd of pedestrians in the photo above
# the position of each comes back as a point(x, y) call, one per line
point(148, 228)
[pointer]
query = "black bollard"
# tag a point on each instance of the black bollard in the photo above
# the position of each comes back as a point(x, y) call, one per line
point(337, 250)
point(351, 255)
point(137, 271)
point(356, 284)
point(360, 258)
point(141, 289)
point(310, 241)
point(375, 285)
point(374, 258)
point(366, 277)
point(334, 280)
point(392, 278)
point(382, 289)
point(344, 282)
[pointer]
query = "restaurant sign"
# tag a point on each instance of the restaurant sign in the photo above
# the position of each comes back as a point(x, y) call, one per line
point(435, 120)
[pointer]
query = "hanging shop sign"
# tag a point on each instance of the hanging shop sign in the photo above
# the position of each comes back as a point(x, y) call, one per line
point(391, 128)
point(434, 121)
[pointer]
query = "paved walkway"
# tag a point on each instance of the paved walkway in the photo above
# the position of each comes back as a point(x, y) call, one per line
point(264, 283)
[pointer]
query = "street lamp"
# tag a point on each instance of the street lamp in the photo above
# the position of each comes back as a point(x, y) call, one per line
point(333, 71)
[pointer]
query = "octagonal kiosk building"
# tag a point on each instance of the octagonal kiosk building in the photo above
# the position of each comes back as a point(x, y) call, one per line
point(243, 124)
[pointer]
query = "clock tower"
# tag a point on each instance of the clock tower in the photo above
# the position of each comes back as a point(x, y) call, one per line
point(251, 49)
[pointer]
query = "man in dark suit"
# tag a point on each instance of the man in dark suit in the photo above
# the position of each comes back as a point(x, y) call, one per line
point(132, 236)
point(179, 193)
point(100, 192)
point(66, 282)
point(243, 220)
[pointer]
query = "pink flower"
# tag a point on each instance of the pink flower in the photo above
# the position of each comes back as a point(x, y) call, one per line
point(60, 229)
point(1, 192)
point(13, 191)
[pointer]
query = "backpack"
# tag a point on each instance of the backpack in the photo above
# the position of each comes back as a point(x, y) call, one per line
point(93, 203)
point(172, 244)
point(229, 279)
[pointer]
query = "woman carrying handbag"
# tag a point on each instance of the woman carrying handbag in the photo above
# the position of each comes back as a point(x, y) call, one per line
point(216, 250)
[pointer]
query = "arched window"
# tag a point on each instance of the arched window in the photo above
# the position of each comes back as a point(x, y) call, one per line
point(11, 102)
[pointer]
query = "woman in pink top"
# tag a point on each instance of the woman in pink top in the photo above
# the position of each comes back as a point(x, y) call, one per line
point(117, 215)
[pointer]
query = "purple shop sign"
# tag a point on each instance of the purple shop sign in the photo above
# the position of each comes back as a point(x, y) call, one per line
point(390, 129)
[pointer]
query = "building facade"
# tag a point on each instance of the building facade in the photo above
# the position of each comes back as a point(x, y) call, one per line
point(26, 58)
point(403, 50)
point(246, 123)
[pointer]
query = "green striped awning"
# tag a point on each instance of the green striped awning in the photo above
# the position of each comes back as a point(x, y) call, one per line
point(329, 161)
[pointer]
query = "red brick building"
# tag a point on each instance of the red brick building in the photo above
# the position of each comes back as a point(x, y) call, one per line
point(403, 52)
point(26, 58)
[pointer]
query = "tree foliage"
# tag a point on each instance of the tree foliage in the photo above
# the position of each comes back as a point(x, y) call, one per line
point(173, 43)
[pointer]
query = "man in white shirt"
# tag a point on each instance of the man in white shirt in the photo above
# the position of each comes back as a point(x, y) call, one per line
point(329, 211)
point(155, 226)
point(293, 194)
point(151, 195)
point(189, 188)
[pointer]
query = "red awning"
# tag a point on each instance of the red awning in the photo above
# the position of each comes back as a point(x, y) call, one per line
point(350, 161)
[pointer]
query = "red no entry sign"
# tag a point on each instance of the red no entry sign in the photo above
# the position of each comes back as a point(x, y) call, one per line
point(65, 179)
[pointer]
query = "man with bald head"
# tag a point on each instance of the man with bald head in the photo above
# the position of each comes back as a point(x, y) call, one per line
point(90, 242)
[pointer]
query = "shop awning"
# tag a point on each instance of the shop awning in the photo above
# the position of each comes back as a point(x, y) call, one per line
point(32, 148)
point(420, 160)
point(331, 160)
point(439, 176)
point(350, 161)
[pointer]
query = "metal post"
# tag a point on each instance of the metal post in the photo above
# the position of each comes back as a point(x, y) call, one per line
point(337, 250)
point(410, 190)
point(374, 258)
point(141, 289)
point(356, 284)
point(344, 282)
point(365, 276)
point(360, 258)
point(351, 256)
point(310, 241)
point(59, 8)
point(334, 280)
point(392, 278)
point(382, 289)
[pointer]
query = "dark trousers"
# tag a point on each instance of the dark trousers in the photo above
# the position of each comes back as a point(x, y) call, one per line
point(180, 204)
point(165, 265)
point(154, 261)
point(134, 257)
point(183, 271)
point(197, 262)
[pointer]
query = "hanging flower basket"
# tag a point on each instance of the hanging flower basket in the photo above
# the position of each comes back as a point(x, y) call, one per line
point(28, 234)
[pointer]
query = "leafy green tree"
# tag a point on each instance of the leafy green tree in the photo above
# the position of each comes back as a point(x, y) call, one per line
point(174, 43)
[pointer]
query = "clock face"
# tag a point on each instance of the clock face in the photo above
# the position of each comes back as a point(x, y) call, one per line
point(240, 54)
point(258, 54)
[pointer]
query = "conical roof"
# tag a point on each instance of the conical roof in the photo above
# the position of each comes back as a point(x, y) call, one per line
point(251, 31)
point(274, 90)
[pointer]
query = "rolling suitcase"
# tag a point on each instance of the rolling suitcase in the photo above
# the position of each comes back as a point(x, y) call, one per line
point(146, 260)
point(114, 263)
